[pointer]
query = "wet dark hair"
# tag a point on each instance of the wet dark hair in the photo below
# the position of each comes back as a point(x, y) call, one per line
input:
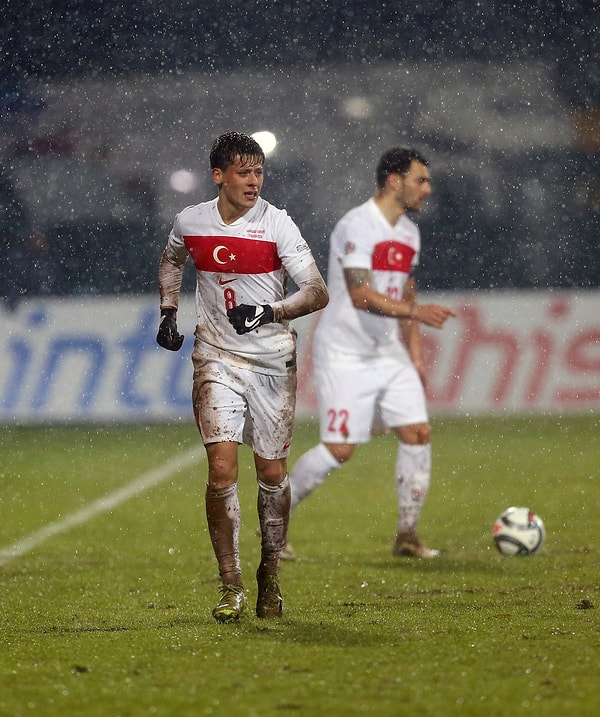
point(230, 147)
point(397, 161)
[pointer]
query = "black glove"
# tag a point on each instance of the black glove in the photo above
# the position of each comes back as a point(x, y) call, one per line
point(168, 337)
point(245, 318)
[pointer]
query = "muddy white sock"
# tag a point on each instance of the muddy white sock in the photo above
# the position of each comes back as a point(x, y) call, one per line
point(224, 518)
point(413, 471)
point(273, 504)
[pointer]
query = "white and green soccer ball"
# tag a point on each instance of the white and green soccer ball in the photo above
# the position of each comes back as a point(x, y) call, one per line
point(519, 531)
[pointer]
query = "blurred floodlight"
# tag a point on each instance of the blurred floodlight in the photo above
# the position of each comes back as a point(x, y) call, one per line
point(184, 181)
point(358, 107)
point(267, 141)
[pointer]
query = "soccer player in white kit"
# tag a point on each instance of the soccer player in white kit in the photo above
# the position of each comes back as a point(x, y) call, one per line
point(244, 356)
point(367, 353)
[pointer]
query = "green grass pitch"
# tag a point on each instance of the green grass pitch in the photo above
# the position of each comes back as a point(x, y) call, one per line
point(109, 615)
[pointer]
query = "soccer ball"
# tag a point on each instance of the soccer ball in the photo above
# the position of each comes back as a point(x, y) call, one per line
point(519, 531)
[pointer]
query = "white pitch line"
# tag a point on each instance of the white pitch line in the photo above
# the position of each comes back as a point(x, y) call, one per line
point(102, 505)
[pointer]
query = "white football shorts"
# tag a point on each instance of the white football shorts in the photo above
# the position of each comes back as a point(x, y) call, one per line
point(243, 406)
point(357, 400)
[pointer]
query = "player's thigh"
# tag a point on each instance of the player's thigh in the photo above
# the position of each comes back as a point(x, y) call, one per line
point(403, 400)
point(219, 408)
point(271, 412)
point(347, 397)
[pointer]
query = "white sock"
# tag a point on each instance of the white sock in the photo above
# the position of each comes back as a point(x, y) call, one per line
point(413, 471)
point(309, 471)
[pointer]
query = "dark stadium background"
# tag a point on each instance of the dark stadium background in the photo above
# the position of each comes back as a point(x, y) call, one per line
point(553, 243)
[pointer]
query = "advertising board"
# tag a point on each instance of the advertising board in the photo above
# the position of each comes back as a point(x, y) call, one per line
point(91, 359)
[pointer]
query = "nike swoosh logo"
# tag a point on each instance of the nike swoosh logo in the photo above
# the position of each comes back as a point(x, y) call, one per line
point(253, 323)
point(222, 282)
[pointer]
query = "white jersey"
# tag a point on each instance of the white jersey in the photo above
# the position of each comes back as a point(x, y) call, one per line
point(246, 262)
point(364, 239)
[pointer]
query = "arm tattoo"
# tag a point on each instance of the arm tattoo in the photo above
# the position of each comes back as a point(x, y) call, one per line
point(355, 278)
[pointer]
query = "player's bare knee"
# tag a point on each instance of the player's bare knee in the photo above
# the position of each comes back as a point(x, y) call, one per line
point(418, 434)
point(222, 464)
point(270, 472)
point(342, 452)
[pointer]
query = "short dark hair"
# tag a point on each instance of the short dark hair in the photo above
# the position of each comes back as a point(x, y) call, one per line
point(230, 147)
point(397, 160)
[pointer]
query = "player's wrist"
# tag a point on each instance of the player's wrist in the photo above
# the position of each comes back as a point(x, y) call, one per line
point(412, 311)
point(269, 313)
